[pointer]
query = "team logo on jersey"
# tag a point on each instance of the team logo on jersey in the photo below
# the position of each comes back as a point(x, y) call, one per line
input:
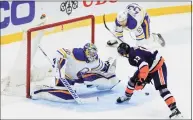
point(68, 6)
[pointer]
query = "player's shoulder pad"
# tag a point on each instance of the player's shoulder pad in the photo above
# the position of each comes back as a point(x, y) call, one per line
point(139, 51)
point(79, 54)
point(64, 52)
point(132, 53)
point(131, 22)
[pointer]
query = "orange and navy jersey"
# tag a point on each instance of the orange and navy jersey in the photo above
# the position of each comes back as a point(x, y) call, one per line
point(146, 61)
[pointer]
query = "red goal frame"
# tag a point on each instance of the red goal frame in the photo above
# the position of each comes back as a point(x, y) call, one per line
point(29, 32)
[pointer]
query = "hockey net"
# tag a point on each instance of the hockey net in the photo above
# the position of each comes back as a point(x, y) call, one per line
point(31, 67)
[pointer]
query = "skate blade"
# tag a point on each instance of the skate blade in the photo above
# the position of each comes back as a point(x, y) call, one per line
point(178, 117)
point(163, 43)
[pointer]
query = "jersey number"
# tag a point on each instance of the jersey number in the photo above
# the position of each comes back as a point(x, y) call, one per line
point(136, 59)
point(135, 9)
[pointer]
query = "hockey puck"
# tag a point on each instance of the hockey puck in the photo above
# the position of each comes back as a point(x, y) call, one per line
point(146, 93)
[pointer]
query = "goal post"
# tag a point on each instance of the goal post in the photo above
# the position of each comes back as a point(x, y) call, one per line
point(23, 73)
point(29, 32)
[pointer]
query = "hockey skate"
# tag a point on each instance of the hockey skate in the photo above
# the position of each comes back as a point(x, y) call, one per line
point(38, 91)
point(112, 42)
point(123, 99)
point(176, 114)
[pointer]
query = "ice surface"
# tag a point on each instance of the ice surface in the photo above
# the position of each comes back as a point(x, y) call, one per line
point(176, 30)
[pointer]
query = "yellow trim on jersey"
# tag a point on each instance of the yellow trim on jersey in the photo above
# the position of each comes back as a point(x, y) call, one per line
point(144, 13)
point(141, 36)
point(61, 61)
point(68, 76)
point(61, 91)
point(119, 34)
point(147, 29)
point(56, 81)
point(63, 53)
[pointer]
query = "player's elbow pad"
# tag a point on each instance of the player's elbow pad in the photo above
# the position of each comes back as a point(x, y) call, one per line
point(60, 63)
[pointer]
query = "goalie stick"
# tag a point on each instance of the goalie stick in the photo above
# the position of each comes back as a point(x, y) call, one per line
point(72, 92)
point(46, 55)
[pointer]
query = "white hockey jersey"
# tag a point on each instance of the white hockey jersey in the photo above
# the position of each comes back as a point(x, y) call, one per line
point(137, 22)
point(73, 63)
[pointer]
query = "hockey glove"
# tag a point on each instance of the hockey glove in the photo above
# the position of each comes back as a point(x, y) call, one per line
point(106, 67)
point(139, 85)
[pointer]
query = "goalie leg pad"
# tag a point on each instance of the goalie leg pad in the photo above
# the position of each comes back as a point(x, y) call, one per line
point(106, 84)
point(90, 77)
point(59, 83)
point(52, 94)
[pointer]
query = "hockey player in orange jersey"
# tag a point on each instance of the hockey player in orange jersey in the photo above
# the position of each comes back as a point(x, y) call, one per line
point(150, 66)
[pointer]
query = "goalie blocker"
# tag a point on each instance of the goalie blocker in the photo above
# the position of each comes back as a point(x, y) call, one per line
point(77, 66)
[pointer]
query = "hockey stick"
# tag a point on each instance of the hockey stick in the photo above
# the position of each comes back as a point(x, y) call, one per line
point(46, 55)
point(146, 93)
point(67, 85)
point(104, 21)
point(163, 43)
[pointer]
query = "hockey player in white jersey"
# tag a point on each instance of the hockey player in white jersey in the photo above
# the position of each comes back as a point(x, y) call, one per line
point(79, 65)
point(136, 20)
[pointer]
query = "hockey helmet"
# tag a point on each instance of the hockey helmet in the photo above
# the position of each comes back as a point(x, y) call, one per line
point(122, 17)
point(123, 49)
point(91, 52)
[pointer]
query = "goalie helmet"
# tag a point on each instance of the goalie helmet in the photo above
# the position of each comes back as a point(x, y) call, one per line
point(91, 52)
point(123, 49)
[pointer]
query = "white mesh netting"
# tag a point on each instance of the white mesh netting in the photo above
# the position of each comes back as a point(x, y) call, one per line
point(50, 40)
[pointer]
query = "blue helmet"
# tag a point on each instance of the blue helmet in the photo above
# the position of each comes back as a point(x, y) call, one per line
point(90, 52)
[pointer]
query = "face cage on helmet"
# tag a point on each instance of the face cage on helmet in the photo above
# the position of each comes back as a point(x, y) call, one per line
point(91, 54)
point(123, 53)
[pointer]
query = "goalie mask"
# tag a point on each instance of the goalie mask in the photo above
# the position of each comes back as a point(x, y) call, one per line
point(91, 52)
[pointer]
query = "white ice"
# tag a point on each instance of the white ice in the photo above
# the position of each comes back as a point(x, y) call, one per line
point(176, 30)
